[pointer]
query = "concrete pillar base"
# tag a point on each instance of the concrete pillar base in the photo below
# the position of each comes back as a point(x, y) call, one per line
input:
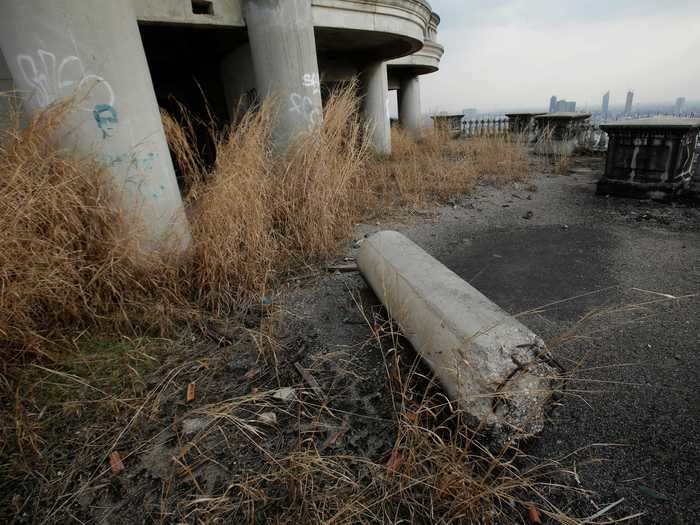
point(375, 106)
point(409, 105)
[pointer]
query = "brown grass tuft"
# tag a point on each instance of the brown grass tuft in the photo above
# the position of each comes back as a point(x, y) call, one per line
point(437, 167)
point(68, 266)
point(65, 263)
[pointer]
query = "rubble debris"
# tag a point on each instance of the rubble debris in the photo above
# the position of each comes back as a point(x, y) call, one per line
point(115, 462)
point(310, 380)
point(194, 424)
point(351, 267)
point(285, 394)
point(191, 392)
point(269, 418)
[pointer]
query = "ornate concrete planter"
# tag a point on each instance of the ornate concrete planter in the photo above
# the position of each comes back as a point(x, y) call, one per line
point(558, 133)
point(451, 124)
point(651, 157)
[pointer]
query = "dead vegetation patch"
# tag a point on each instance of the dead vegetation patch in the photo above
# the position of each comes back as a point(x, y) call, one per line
point(67, 264)
point(87, 375)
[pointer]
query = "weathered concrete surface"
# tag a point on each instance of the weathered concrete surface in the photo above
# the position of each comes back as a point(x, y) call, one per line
point(392, 28)
point(283, 47)
point(375, 106)
point(60, 49)
point(6, 86)
point(410, 115)
point(493, 366)
point(650, 157)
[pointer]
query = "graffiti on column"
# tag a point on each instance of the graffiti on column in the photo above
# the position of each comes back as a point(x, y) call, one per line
point(52, 79)
point(304, 104)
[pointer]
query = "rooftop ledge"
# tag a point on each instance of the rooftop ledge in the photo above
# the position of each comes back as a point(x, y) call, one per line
point(563, 115)
point(427, 60)
point(655, 123)
point(401, 26)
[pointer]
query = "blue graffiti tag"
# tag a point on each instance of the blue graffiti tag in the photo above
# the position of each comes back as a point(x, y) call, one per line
point(106, 117)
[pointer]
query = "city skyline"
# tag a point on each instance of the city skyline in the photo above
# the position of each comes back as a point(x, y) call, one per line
point(517, 53)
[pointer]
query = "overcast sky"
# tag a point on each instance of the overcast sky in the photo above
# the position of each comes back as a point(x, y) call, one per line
point(509, 54)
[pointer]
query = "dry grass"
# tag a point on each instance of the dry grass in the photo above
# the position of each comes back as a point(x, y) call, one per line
point(256, 215)
point(436, 167)
point(553, 151)
point(67, 264)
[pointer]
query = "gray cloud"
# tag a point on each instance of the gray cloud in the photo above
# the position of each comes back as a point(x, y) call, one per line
point(516, 53)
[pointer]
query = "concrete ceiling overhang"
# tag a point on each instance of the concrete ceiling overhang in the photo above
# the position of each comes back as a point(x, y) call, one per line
point(425, 61)
point(375, 29)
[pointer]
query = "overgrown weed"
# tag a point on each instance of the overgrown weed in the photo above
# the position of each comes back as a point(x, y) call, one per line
point(69, 264)
point(70, 273)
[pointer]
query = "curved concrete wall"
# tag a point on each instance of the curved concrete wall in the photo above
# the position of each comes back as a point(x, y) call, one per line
point(404, 24)
point(426, 60)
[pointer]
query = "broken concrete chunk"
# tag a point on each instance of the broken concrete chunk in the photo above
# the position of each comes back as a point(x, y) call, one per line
point(195, 424)
point(285, 394)
point(269, 418)
point(493, 366)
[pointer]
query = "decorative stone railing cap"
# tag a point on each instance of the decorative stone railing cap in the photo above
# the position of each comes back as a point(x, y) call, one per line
point(448, 116)
point(563, 115)
point(524, 114)
point(675, 123)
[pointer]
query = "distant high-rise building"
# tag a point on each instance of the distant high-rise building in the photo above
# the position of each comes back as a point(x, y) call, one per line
point(628, 103)
point(564, 106)
point(606, 104)
point(552, 104)
point(679, 106)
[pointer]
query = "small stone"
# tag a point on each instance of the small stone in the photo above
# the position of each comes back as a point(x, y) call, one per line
point(285, 394)
point(194, 425)
point(528, 215)
point(269, 418)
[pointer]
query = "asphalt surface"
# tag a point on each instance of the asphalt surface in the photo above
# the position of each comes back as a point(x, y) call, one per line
point(614, 286)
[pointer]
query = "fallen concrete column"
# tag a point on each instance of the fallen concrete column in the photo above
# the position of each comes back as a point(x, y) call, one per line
point(93, 52)
point(375, 106)
point(493, 366)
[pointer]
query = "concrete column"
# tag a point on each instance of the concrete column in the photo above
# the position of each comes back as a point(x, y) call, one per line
point(375, 106)
point(409, 105)
point(6, 88)
point(65, 48)
point(283, 47)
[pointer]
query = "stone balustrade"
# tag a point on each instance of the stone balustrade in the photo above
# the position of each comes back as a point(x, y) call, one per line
point(496, 127)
